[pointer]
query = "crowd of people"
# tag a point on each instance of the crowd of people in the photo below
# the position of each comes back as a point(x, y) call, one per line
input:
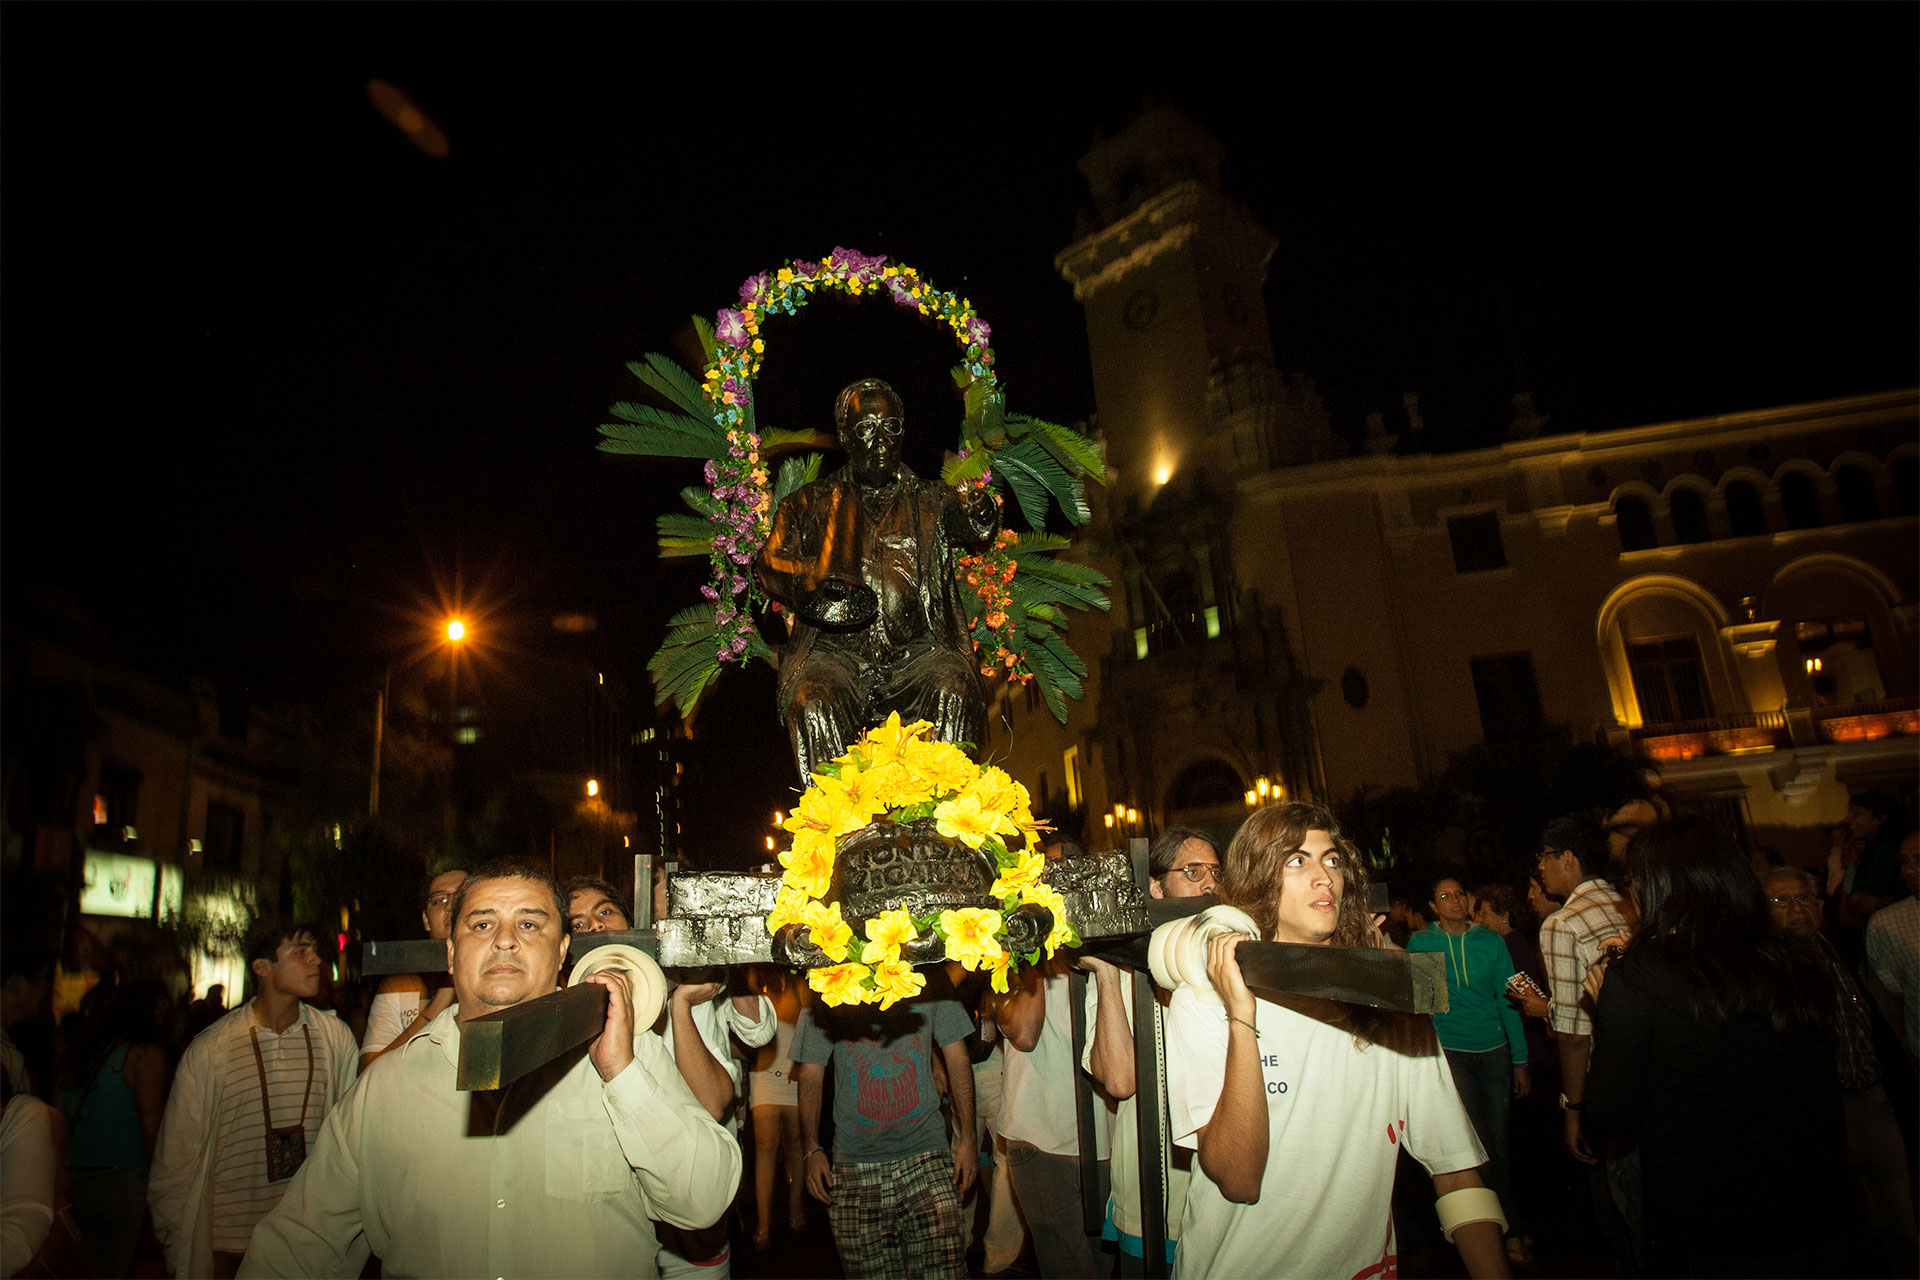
point(1714, 1049)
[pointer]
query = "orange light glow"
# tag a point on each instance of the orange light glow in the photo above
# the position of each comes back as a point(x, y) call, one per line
point(456, 630)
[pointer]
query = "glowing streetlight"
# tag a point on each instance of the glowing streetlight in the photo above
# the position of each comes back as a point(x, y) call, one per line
point(1253, 798)
point(456, 630)
point(593, 787)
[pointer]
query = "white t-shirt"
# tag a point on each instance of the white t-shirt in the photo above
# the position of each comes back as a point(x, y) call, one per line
point(1123, 1201)
point(1338, 1116)
point(390, 1013)
point(1037, 1103)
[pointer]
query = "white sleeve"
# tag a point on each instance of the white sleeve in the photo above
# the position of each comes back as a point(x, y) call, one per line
point(178, 1152)
point(1438, 1133)
point(687, 1162)
point(709, 1020)
point(27, 1154)
point(1196, 1065)
point(388, 1016)
point(755, 1031)
point(346, 1056)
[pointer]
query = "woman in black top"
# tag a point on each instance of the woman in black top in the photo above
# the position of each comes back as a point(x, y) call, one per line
point(1712, 1043)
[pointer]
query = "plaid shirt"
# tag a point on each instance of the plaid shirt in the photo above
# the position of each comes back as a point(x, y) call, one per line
point(1570, 941)
point(1854, 1061)
point(1893, 952)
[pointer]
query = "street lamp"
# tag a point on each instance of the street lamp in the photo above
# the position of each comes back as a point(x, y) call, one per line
point(456, 631)
point(593, 787)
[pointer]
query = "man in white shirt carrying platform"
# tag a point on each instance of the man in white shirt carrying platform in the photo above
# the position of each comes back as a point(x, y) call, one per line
point(1297, 1121)
point(407, 1002)
point(558, 1174)
point(247, 1105)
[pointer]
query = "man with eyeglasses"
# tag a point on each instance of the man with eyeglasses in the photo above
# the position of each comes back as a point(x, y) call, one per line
point(1874, 1151)
point(1182, 862)
point(863, 559)
point(404, 1005)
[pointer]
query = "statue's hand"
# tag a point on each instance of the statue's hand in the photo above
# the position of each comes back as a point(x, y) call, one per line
point(841, 604)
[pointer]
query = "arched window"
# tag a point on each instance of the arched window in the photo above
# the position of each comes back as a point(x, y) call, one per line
point(1799, 501)
point(1636, 522)
point(1689, 515)
point(1857, 499)
point(1745, 516)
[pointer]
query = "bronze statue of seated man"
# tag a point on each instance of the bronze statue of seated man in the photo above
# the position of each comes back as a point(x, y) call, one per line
point(864, 559)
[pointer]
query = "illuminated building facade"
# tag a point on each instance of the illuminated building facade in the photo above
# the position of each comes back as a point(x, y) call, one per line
point(1733, 597)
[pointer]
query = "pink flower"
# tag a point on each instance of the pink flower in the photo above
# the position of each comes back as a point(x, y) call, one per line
point(752, 287)
point(732, 329)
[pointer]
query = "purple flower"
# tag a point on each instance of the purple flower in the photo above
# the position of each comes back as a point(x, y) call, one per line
point(739, 646)
point(739, 584)
point(713, 596)
point(740, 557)
point(752, 286)
point(732, 329)
point(711, 472)
point(979, 330)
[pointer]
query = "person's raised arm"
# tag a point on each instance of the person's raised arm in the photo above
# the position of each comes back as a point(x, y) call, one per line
point(704, 1073)
point(1233, 1144)
point(1022, 1013)
point(1110, 1059)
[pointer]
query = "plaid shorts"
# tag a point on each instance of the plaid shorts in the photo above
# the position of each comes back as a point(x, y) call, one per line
point(899, 1218)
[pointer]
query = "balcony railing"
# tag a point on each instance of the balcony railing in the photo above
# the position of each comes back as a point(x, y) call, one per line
point(1729, 735)
point(1868, 721)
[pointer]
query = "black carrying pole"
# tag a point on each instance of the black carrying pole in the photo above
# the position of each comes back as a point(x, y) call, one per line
point(1093, 1211)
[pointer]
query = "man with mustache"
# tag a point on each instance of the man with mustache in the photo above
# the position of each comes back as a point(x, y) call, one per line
point(560, 1173)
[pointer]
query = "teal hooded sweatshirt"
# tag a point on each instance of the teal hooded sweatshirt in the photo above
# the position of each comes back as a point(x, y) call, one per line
point(1480, 1016)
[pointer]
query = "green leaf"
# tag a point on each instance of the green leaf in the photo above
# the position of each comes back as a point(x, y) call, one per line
point(1082, 455)
point(793, 473)
point(1062, 483)
point(1028, 490)
point(956, 469)
point(703, 329)
point(656, 443)
point(701, 499)
point(976, 400)
point(684, 535)
point(783, 439)
point(675, 384)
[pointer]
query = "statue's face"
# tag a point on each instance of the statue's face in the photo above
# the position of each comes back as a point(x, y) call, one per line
point(872, 436)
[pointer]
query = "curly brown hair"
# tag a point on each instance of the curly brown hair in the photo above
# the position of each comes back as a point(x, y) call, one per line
point(1250, 871)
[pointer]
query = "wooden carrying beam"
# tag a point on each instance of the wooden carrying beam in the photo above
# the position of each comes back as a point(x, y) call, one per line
point(498, 1048)
point(424, 955)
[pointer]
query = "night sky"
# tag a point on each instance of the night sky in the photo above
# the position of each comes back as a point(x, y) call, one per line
point(273, 376)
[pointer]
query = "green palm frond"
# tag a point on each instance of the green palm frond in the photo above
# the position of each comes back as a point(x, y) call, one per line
point(1028, 470)
point(1080, 455)
point(673, 383)
point(793, 473)
point(684, 535)
point(783, 439)
point(642, 428)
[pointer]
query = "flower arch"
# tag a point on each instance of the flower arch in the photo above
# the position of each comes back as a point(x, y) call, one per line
point(1016, 591)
